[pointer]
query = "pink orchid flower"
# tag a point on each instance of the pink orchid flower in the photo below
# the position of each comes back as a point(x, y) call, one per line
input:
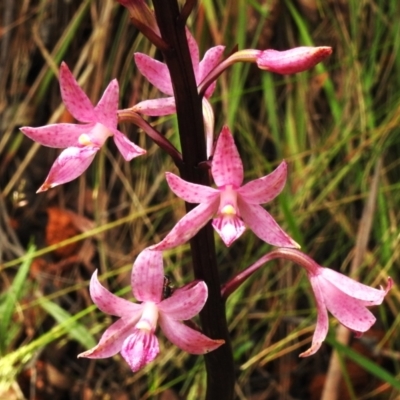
point(346, 299)
point(157, 74)
point(133, 334)
point(233, 205)
point(81, 141)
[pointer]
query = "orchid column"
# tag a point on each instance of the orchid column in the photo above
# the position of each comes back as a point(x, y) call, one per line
point(219, 363)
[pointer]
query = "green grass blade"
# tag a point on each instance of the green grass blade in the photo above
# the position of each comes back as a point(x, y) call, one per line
point(12, 297)
point(365, 363)
point(75, 330)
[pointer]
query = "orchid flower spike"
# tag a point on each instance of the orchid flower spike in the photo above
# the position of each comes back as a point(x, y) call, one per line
point(232, 205)
point(346, 299)
point(133, 334)
point(81, 141)
point(157, 74)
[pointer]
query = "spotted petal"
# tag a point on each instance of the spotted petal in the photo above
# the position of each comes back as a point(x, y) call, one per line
point(227, 167)
point(368, 295)
point(148, 276)
point(128, 149)
point(156, 107)
point(111, 304)
point(155, 72)
point(349, 311)
point(188, 226)
point(187, 338)
point(74, 98)
point(190, 192)
point(211, 59)
point(106, 109)
point(57, 135)
point(186, 302)
point(71, 163)
point(265, 189)
point(263, 225)
point(322, 327)
point(111, 341)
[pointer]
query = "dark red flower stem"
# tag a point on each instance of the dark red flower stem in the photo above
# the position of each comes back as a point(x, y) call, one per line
point(293, 255)
point(219, 363)
point(157, 137)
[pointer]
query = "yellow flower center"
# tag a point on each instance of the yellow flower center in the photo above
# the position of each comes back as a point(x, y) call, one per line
point(84, 140)
point(228, 209)
point(144, 325)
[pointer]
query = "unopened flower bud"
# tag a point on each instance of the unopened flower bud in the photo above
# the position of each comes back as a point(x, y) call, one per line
point(292, 61)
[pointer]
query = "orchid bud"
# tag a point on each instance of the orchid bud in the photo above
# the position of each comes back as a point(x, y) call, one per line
point(292, 61)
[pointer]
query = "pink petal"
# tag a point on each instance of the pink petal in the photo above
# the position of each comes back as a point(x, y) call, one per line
point(188, 226)
point(140, 348)
point(194, 54)
point(321, 329)
point(128, 149)
point(70, 164)
point(156, 107)
point(74, 98)
point(350, 312)
point(226, 167)
point(190, 192)
point(211, 59)
point(186, 302)
point(155, 72)
point(265, 189)
point(229, 228)
point(367, 294)
point(112, 340)
point(148, 276)
point(106, 109)
point(292, 61)
point(57, 135)
point(111, 304)
point(187, 338)
point(263, 225)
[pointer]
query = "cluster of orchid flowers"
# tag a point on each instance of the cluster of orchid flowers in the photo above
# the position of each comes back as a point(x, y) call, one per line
point(231, 205)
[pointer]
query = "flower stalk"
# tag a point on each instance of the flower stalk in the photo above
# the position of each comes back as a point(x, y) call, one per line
point(157, 137)
point(219, 363)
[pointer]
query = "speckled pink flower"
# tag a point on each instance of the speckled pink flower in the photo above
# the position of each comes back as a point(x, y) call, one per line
point(232, 205)
point(346, 299)
point(133, 334)
point(157, 74)
point(81, 141)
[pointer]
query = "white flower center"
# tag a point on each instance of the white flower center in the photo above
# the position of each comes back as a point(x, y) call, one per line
point(96, 136)
point(148, 320)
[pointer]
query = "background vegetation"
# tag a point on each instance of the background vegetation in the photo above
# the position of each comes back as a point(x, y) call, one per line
point(338, 128)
